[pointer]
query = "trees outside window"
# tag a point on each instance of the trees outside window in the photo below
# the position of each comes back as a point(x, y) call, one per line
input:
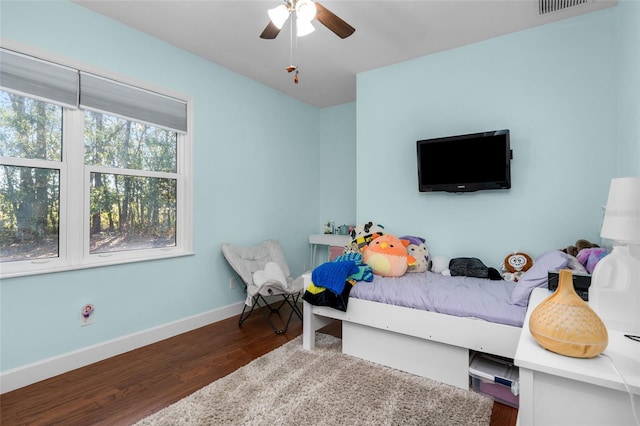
point(83, 186)
point(133, 184)
point(31, 133)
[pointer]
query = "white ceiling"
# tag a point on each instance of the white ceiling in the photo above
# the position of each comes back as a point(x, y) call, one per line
point(387, 32)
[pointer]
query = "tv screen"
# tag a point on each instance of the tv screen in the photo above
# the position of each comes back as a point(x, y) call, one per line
point(465, 163)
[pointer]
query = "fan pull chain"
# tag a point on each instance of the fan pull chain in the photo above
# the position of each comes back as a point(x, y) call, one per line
point(291, 41)
point(292, 48)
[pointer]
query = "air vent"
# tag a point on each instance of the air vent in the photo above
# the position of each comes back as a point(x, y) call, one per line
point(549, 6)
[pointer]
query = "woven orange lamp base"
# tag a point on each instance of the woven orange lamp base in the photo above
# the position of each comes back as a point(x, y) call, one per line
point(565, 324)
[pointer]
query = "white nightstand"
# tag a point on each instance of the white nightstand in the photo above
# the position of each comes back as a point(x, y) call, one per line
point(561, 390)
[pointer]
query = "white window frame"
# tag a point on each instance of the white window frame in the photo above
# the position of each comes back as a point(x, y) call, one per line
point(73, 250)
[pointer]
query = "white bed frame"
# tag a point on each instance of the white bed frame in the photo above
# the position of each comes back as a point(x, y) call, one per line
point(428, 344)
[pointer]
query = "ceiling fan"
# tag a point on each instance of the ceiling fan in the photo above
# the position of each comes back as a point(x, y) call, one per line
point(306, 11)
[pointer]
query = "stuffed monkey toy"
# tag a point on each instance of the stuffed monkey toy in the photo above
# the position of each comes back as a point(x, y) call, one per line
point(516, 264)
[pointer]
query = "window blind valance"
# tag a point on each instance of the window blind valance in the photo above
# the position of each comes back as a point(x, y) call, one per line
point(101, 94)
point(40, 79)
point(69, 87)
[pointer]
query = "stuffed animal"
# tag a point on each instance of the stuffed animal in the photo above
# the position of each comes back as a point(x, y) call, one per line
point(440, 265)
point(589, 257)
point(362, 235)
point(387, 256)
point(418, 249)
point(516, 264)
point(580, 244)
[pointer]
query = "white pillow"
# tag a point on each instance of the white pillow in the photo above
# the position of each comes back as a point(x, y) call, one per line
point(272, 273)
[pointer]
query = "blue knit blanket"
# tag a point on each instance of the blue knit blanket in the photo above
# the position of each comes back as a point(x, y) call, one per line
point(333, 275)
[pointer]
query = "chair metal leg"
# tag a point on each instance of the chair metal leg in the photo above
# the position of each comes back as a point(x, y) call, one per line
point(279, 306)
point(243, 317)
point(294, 305)
point(291, 300)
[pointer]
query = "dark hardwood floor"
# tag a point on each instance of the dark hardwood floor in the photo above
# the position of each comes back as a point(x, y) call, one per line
point(126, 388)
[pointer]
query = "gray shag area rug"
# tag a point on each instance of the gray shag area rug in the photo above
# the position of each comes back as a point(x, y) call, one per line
point(291, 386)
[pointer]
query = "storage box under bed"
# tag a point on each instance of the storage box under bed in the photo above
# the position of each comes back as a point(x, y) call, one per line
point(495, 377)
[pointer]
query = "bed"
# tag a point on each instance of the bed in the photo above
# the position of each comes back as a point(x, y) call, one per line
point(436, 343)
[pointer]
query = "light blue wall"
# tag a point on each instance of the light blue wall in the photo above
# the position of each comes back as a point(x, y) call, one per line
point(629, 88)
point(252, 181)
point(555, 87)
point(337, 165)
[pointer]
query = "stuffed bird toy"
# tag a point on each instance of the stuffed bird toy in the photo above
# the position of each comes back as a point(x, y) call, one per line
point(387, 256)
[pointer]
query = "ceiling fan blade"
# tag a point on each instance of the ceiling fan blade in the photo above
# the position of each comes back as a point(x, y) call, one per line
point(333, 22)
point(270, 32)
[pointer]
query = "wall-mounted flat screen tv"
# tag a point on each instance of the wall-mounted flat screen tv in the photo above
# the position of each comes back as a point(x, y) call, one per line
point(465, 163)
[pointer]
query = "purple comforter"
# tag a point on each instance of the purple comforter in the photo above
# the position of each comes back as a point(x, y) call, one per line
point(459, 296)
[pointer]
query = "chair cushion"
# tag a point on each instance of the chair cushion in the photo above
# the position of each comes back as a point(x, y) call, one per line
point(272, 273)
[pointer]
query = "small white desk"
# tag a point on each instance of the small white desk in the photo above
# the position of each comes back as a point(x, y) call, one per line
point(561, 390)
point(328, 240)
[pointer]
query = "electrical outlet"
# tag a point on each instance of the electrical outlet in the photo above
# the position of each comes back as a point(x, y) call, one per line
point(84, 321)
point(232, 283)
point(85, 314)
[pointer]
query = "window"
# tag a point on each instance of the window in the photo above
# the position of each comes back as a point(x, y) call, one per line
point(92, 171)
point(30, 133)
point(133, 184)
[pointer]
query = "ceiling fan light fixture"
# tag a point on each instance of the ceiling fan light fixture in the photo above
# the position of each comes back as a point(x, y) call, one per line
point(279, 15)
point(305, 10)
point(303, 28)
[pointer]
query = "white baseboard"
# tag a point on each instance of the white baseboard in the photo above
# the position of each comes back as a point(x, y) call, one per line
point(26, 375)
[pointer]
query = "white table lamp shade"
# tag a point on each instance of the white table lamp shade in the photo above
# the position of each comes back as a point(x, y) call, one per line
point(622, 213)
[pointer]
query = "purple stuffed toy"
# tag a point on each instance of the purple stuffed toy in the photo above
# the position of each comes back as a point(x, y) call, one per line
point(418, 249)
point(589, 257)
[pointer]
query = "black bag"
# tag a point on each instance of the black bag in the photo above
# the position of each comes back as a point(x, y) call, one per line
point(472, 267)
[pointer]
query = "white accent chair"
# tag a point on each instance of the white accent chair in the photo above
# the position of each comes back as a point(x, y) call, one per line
point(264, 272)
